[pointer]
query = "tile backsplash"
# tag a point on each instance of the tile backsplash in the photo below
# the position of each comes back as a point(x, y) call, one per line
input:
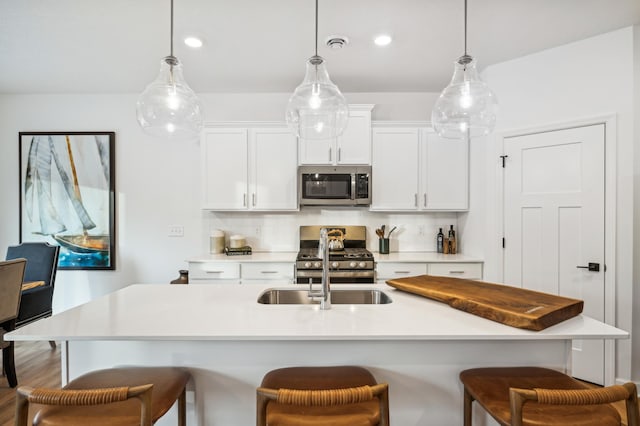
point(279, 231)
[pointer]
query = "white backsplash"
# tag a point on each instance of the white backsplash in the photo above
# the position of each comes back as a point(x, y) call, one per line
point(280, 231)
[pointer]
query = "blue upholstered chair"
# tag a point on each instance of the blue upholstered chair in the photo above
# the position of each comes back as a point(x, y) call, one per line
point(42, 264)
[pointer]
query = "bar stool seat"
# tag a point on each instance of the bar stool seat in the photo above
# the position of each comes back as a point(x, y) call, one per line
point(550, 396)
point(169, 386)
point(315, 396)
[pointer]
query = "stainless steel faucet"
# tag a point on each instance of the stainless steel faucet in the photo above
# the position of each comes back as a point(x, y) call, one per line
point(324, 294)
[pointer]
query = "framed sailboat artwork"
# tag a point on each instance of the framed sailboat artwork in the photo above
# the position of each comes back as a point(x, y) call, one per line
point(67, 195)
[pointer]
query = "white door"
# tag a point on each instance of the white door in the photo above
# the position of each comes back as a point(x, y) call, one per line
point(554, 224)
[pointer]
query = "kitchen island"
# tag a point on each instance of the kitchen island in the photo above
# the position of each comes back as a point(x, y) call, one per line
point(229, 341)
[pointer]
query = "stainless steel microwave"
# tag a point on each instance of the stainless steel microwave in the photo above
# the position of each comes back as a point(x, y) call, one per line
point(334, 185)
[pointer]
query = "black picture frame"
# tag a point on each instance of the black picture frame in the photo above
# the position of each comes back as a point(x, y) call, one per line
point(67, 195)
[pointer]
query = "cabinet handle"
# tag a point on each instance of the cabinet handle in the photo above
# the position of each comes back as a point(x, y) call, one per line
point(253, 196)
point(268, 272)
point(456, 272)
point(330, 156)
point(244, 200)
point(339, 154)
point(214, 272)
point(415, 200)
point(401, 272)
point(425, 199)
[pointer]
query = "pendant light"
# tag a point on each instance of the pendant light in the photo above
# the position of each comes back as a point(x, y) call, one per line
point(466, 107)
point(317, 109)
point(168, 107)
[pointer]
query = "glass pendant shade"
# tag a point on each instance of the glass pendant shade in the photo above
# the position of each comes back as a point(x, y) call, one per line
point(168, 107)
point(317, 109)
point(466, 107)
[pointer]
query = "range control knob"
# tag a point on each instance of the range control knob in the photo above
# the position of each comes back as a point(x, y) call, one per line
point(352, 265)
point(362, 264)
point(307, 264)
point(334, 264)
point(317, 264)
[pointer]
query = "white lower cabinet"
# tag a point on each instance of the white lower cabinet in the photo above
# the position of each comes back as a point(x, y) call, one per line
point(391, 270)
point(276, 273)
point(214, 273)
point(471, 271)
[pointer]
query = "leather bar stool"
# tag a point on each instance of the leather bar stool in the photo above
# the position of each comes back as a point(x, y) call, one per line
point(107, 398)
point(318, 396)
point(536, 396)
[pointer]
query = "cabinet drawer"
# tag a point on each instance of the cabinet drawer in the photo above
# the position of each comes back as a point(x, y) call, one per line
point(267, 271)
point(214, 271)
point(457, 270)
point(399, 270)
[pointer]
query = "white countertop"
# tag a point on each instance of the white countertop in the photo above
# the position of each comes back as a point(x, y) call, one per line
point(290, 256)
point(230, 312)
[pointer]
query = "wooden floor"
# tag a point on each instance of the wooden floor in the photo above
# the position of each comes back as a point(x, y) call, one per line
point(37, 365)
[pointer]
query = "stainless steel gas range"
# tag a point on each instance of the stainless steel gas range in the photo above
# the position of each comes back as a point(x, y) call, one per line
point(351, 263)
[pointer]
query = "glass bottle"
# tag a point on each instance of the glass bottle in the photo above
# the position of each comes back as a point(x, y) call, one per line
point(440, 242)
point(452, 240)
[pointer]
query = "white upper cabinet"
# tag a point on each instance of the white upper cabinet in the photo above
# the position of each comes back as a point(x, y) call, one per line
point(225, 169)
point(352, 147)
point(394, 170)
point(413, 169)
point(445, 179)
point(249, 169)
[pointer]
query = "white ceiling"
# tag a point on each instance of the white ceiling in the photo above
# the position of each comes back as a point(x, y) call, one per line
point(115, 46)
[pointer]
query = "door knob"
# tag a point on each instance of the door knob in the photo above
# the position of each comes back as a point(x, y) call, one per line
point(595, 267)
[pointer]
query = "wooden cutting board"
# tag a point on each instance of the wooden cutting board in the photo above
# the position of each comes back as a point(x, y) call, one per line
point(508, 305)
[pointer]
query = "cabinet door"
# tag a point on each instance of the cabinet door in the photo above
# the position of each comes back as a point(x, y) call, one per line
point(274, 167)
point(224, 169)
point(317, 151)
point(354, 145)
point(445, 183)
point(394, 171)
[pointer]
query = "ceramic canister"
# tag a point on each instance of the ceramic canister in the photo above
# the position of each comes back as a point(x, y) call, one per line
point(216, 242)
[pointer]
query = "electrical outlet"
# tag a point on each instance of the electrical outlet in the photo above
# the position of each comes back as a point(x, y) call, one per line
point(176, 231)
point(421, 230)
point(258, 230)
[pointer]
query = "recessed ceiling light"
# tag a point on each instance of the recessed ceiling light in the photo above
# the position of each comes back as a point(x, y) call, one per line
point(193, 42)
point(382, 40)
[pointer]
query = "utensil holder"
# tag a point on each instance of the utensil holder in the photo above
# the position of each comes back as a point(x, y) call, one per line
point(383, 245)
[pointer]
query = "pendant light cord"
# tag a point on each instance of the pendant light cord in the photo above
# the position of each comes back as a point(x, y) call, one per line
point(171, 41)
point(465, 27)
point(316, 27)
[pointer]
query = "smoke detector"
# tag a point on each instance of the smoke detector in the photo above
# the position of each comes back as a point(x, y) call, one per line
point(337, 42)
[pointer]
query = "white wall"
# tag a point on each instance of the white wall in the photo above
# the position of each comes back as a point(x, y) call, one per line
point(157, 183)
point(592, 77)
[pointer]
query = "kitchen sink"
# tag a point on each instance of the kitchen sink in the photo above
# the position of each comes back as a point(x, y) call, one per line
point(281, 296)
